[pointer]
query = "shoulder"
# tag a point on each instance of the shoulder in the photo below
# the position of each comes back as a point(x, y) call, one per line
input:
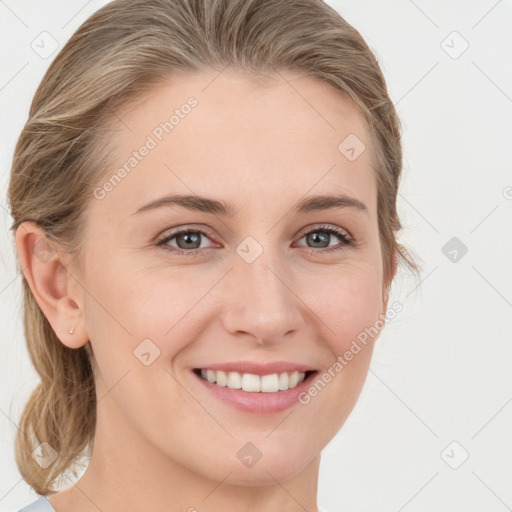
point(40, 505)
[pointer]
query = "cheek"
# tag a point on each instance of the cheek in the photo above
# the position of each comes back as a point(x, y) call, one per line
point(137, 301)
point(136, 317)
point(350, 308)
point(347, 306)
point(127, 321)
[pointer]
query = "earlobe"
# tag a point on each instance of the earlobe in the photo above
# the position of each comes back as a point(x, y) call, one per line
point(48, 279)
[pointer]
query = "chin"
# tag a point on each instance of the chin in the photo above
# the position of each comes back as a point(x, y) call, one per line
point(279, 463)
point(262, 476)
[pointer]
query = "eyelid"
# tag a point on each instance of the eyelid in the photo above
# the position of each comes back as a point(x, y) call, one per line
point(209, 231)
point(206, 230)
point(342, 233)
point(347, 240)
point(312, 227)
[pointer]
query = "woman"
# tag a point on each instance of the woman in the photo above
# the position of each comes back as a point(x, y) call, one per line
point(204, 198)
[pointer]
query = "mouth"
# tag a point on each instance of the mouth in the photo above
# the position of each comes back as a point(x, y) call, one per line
point(253, 383)
point(261, 394)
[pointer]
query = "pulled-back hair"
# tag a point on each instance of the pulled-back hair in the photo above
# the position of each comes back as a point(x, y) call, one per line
point(113, 58)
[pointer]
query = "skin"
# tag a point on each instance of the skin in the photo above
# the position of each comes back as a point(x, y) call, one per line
point(162, 442)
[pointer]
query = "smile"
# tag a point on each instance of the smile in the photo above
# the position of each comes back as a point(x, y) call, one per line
point(263, 394)
point(270, 383)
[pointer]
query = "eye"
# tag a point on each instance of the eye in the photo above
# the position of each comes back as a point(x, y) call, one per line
point(321, 235)
point(188, 240)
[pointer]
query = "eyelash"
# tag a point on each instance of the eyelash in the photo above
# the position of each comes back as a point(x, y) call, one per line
point(346, 239)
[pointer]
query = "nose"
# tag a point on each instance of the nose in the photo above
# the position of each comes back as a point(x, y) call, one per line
point(261, 302)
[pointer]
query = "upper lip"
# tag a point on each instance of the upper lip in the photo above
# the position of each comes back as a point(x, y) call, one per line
point(258, 368)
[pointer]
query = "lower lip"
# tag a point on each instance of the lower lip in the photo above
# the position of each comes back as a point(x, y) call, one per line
point(257, 402)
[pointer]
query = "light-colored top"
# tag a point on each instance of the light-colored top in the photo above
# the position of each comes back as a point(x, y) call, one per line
point(40, 505)
point(43, 505)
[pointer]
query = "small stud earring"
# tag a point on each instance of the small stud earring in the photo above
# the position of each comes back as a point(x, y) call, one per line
point(71, 330)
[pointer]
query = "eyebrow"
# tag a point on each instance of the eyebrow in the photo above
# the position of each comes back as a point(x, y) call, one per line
point(216, 207)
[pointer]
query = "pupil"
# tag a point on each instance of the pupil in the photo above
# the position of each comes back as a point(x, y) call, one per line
point(190, 238)
point(317, 236)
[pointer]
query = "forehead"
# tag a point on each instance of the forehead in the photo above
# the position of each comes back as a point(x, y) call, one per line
point(222, 134)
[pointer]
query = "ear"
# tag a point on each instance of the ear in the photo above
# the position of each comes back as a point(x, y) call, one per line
point(55, 291)
point(389, 280)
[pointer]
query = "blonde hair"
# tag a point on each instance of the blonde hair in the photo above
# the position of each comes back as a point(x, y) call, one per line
point(113, 58)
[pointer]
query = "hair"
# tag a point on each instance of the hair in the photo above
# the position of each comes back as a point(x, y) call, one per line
point(113, 59)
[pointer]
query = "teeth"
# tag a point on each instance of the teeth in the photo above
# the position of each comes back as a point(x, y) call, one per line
point(270, 383)
point(294, 380)
point(222, 379)
point(234, 380)
point(254, 383)
point(283, 381)
point(251, 382)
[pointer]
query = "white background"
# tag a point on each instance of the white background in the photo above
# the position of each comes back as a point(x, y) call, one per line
point(441, 368)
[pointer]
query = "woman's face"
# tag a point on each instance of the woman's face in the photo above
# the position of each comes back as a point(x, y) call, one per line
point(260, 283)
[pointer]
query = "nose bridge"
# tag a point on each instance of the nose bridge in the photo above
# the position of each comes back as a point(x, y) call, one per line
point(260, 300)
